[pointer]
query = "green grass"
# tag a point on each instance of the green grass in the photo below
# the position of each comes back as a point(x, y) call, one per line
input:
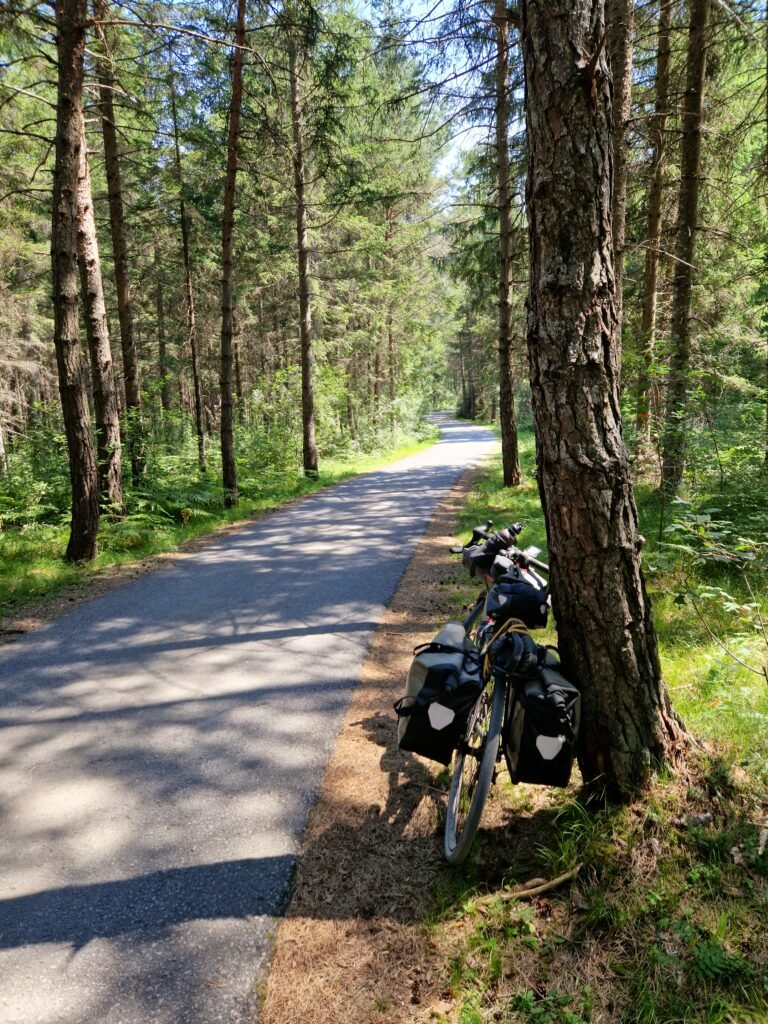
point(667, 921)
point(177, 505)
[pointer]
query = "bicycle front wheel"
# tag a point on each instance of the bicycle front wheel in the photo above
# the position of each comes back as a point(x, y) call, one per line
point(474, 764)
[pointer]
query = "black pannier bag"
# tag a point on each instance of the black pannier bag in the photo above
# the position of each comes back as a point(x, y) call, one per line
point(442, 687)
point(510, 600)
point(540, 736)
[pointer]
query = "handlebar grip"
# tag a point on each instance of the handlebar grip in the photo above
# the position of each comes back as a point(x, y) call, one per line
point(537, 564)
point(481, 532)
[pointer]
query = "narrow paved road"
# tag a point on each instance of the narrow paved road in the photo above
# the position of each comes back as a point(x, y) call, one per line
point(160, 748)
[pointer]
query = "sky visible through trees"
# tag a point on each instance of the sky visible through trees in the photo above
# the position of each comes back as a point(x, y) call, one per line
point(375, 195)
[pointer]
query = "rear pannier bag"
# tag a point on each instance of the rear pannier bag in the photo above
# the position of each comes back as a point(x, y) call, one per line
point(540, 736)
point(443, 684)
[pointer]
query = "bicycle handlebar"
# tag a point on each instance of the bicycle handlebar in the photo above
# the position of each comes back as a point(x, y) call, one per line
point(526, 560)
point(480, 534)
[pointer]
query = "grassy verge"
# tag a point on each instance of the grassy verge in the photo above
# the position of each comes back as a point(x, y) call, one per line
point(178, 506)
point(664, 915)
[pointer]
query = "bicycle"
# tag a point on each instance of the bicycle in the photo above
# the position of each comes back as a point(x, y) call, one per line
point(494, 713)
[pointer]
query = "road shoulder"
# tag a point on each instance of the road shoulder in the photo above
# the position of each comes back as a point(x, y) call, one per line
point(355, 945)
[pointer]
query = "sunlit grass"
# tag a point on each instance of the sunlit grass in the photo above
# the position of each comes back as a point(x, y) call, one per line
point(717, 697)
point(179, 507)
point(665, 919)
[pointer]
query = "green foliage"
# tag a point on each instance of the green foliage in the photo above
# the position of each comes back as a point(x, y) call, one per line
point(667, 915)
point(175, 503)
point(551, 1007)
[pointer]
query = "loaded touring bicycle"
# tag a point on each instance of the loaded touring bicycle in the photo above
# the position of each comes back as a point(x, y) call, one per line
point(483, 689)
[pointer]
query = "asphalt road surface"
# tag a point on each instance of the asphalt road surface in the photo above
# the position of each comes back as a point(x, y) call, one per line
point(161, 746)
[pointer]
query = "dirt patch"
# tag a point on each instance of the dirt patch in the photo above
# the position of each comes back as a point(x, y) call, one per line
point(353, 945)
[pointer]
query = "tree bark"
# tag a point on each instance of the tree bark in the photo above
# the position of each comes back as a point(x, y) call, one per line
point(228, 466)
point(309, 442)
point(377, 385)
point(653, 229)
point(3, 452)
point(605, 629)
point(189, 291)
point(619, 16)
point(389, 233)
point(162, 345)
point(673, 447)
point(106, 79)
point(509, 452)
point(70, 45)
point(108, 447)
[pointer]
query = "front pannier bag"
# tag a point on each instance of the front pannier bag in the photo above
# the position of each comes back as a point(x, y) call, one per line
point(540, 737)
point(443, 684)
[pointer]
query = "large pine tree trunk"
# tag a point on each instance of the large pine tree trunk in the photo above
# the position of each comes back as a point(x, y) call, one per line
point(136, 445)
point(162, 344)
point(653, 229)
point(228, 467)
point(605, 630)
point(619, 16)
point(97, 331)
point(673, 448)
point(305, 309)
point(70, 45)
point(509, 453)
point(189, 291)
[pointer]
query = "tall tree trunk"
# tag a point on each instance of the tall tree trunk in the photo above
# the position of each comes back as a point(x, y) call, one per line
point(162, 345)
point(109, 455)
point(605, 630)
point(509, 454)
point(389, 232)
point(619, 16)
point(70, 45)
point(228, 467)
point(242, 412)
point(673, 448)
point(190, 295)
point(305, 310)
point(3, 452)
point(653, 229)
point(106, 78)
point(377, 385)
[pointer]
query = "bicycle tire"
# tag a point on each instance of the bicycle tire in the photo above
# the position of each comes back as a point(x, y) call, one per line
point(474, 764)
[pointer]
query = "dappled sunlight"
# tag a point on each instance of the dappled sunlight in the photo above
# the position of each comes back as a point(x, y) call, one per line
point(162, 747)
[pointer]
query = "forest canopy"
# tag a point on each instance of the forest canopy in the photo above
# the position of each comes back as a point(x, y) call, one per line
point(300, 226)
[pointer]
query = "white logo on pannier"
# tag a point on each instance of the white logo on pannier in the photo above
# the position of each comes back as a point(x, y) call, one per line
point(549, 746)
point(440, 716)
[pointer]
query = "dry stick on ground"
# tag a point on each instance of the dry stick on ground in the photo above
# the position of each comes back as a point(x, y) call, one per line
point(528, 889)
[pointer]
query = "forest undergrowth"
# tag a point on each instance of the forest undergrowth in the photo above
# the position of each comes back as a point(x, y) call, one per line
point(176, 504)
point(663, 915)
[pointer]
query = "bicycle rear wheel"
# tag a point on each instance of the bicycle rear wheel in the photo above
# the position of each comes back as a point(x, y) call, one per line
point(473, 767)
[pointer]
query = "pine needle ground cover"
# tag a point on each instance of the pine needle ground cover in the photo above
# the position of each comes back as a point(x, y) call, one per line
point(663, 913)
